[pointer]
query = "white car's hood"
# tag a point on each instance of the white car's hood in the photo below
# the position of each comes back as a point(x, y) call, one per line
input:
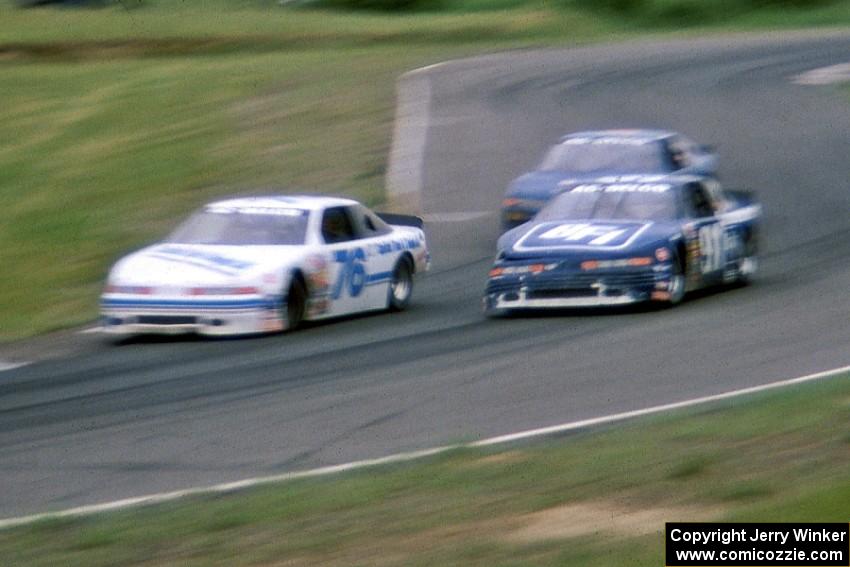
point(192, 264)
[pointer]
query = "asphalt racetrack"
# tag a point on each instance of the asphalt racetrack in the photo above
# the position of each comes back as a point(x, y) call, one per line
point(108, 422)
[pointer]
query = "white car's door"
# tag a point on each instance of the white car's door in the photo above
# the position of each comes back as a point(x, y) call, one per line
point(362, 252)
point(381, 251)
point(347, 262)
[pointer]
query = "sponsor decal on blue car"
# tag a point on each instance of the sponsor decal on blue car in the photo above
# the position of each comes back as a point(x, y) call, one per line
point(595, 234)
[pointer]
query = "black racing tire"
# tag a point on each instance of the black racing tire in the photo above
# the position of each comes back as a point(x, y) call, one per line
point(491, 311)
point(117, 339)
point(401, 286)
point(748, 264)
point(296, 304)
point(677, 282)
point(747, 268)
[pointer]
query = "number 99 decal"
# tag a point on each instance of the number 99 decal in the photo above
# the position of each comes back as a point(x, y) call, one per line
point(711, 247)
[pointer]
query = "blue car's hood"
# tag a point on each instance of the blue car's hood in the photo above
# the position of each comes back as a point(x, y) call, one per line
point(594, 238)
point(543, 185)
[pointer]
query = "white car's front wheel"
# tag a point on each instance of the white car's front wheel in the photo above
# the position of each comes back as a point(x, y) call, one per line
point(296, 301)
point(401, 286)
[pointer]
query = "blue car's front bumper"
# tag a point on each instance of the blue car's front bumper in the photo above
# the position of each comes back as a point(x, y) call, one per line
point(563, 289)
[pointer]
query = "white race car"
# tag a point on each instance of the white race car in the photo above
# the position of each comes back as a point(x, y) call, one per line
point(263, 264)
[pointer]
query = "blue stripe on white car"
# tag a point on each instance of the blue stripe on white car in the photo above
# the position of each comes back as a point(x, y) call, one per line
point(187, 303)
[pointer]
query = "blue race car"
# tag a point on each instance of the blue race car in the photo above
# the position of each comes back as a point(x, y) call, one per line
point(587, 155)
point(625, 239)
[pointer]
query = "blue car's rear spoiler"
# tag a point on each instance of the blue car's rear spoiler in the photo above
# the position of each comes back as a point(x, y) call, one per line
point(401, 220)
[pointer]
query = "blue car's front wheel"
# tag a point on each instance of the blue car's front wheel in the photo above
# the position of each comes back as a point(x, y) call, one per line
point(676, 287)
point(490, 308)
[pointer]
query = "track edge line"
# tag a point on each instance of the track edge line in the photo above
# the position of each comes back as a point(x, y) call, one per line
point(410, 455)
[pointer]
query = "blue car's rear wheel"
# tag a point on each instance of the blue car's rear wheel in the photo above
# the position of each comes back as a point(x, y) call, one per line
point(748, 263)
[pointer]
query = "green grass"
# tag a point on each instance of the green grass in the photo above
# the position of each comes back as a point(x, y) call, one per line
point(590, 499)
point(107, 154)
point(116, 122)
point(733, 13)
point(246, 27)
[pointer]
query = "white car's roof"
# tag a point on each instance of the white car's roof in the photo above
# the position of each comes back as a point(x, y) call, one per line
point(307, 202)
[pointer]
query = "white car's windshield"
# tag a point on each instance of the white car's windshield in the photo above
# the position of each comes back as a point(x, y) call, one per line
point(243, 226)
point(594, 157)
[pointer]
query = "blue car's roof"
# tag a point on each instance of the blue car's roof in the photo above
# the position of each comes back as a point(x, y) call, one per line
point(672, 179)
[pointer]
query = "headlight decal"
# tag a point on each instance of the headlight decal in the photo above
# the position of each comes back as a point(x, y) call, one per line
point(533, 269)
point(637, 261)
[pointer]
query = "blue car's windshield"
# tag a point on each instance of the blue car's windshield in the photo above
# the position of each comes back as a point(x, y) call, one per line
point(611, 157)
point(618, 204)
point(243, 227)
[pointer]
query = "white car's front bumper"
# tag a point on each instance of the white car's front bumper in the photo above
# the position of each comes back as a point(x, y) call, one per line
point(129, 315)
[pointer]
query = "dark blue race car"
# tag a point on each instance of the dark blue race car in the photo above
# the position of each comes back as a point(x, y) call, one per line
point(587, 155)
point(625, 239)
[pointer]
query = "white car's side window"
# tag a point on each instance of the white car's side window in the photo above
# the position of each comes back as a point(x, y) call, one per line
point(336, 226)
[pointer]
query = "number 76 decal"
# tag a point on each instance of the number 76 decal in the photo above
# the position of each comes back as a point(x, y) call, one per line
point(352, 273)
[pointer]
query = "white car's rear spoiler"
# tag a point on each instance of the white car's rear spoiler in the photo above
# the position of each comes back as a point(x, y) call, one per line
point(401, 220)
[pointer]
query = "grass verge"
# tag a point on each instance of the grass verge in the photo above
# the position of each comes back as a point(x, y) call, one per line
point(598, 498)
point(107, 155)
point(117, 122)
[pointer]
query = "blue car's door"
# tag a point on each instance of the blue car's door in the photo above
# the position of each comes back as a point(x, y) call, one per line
point(707, 241)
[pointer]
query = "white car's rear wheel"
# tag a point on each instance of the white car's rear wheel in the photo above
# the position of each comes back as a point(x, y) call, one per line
point(401, 286)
